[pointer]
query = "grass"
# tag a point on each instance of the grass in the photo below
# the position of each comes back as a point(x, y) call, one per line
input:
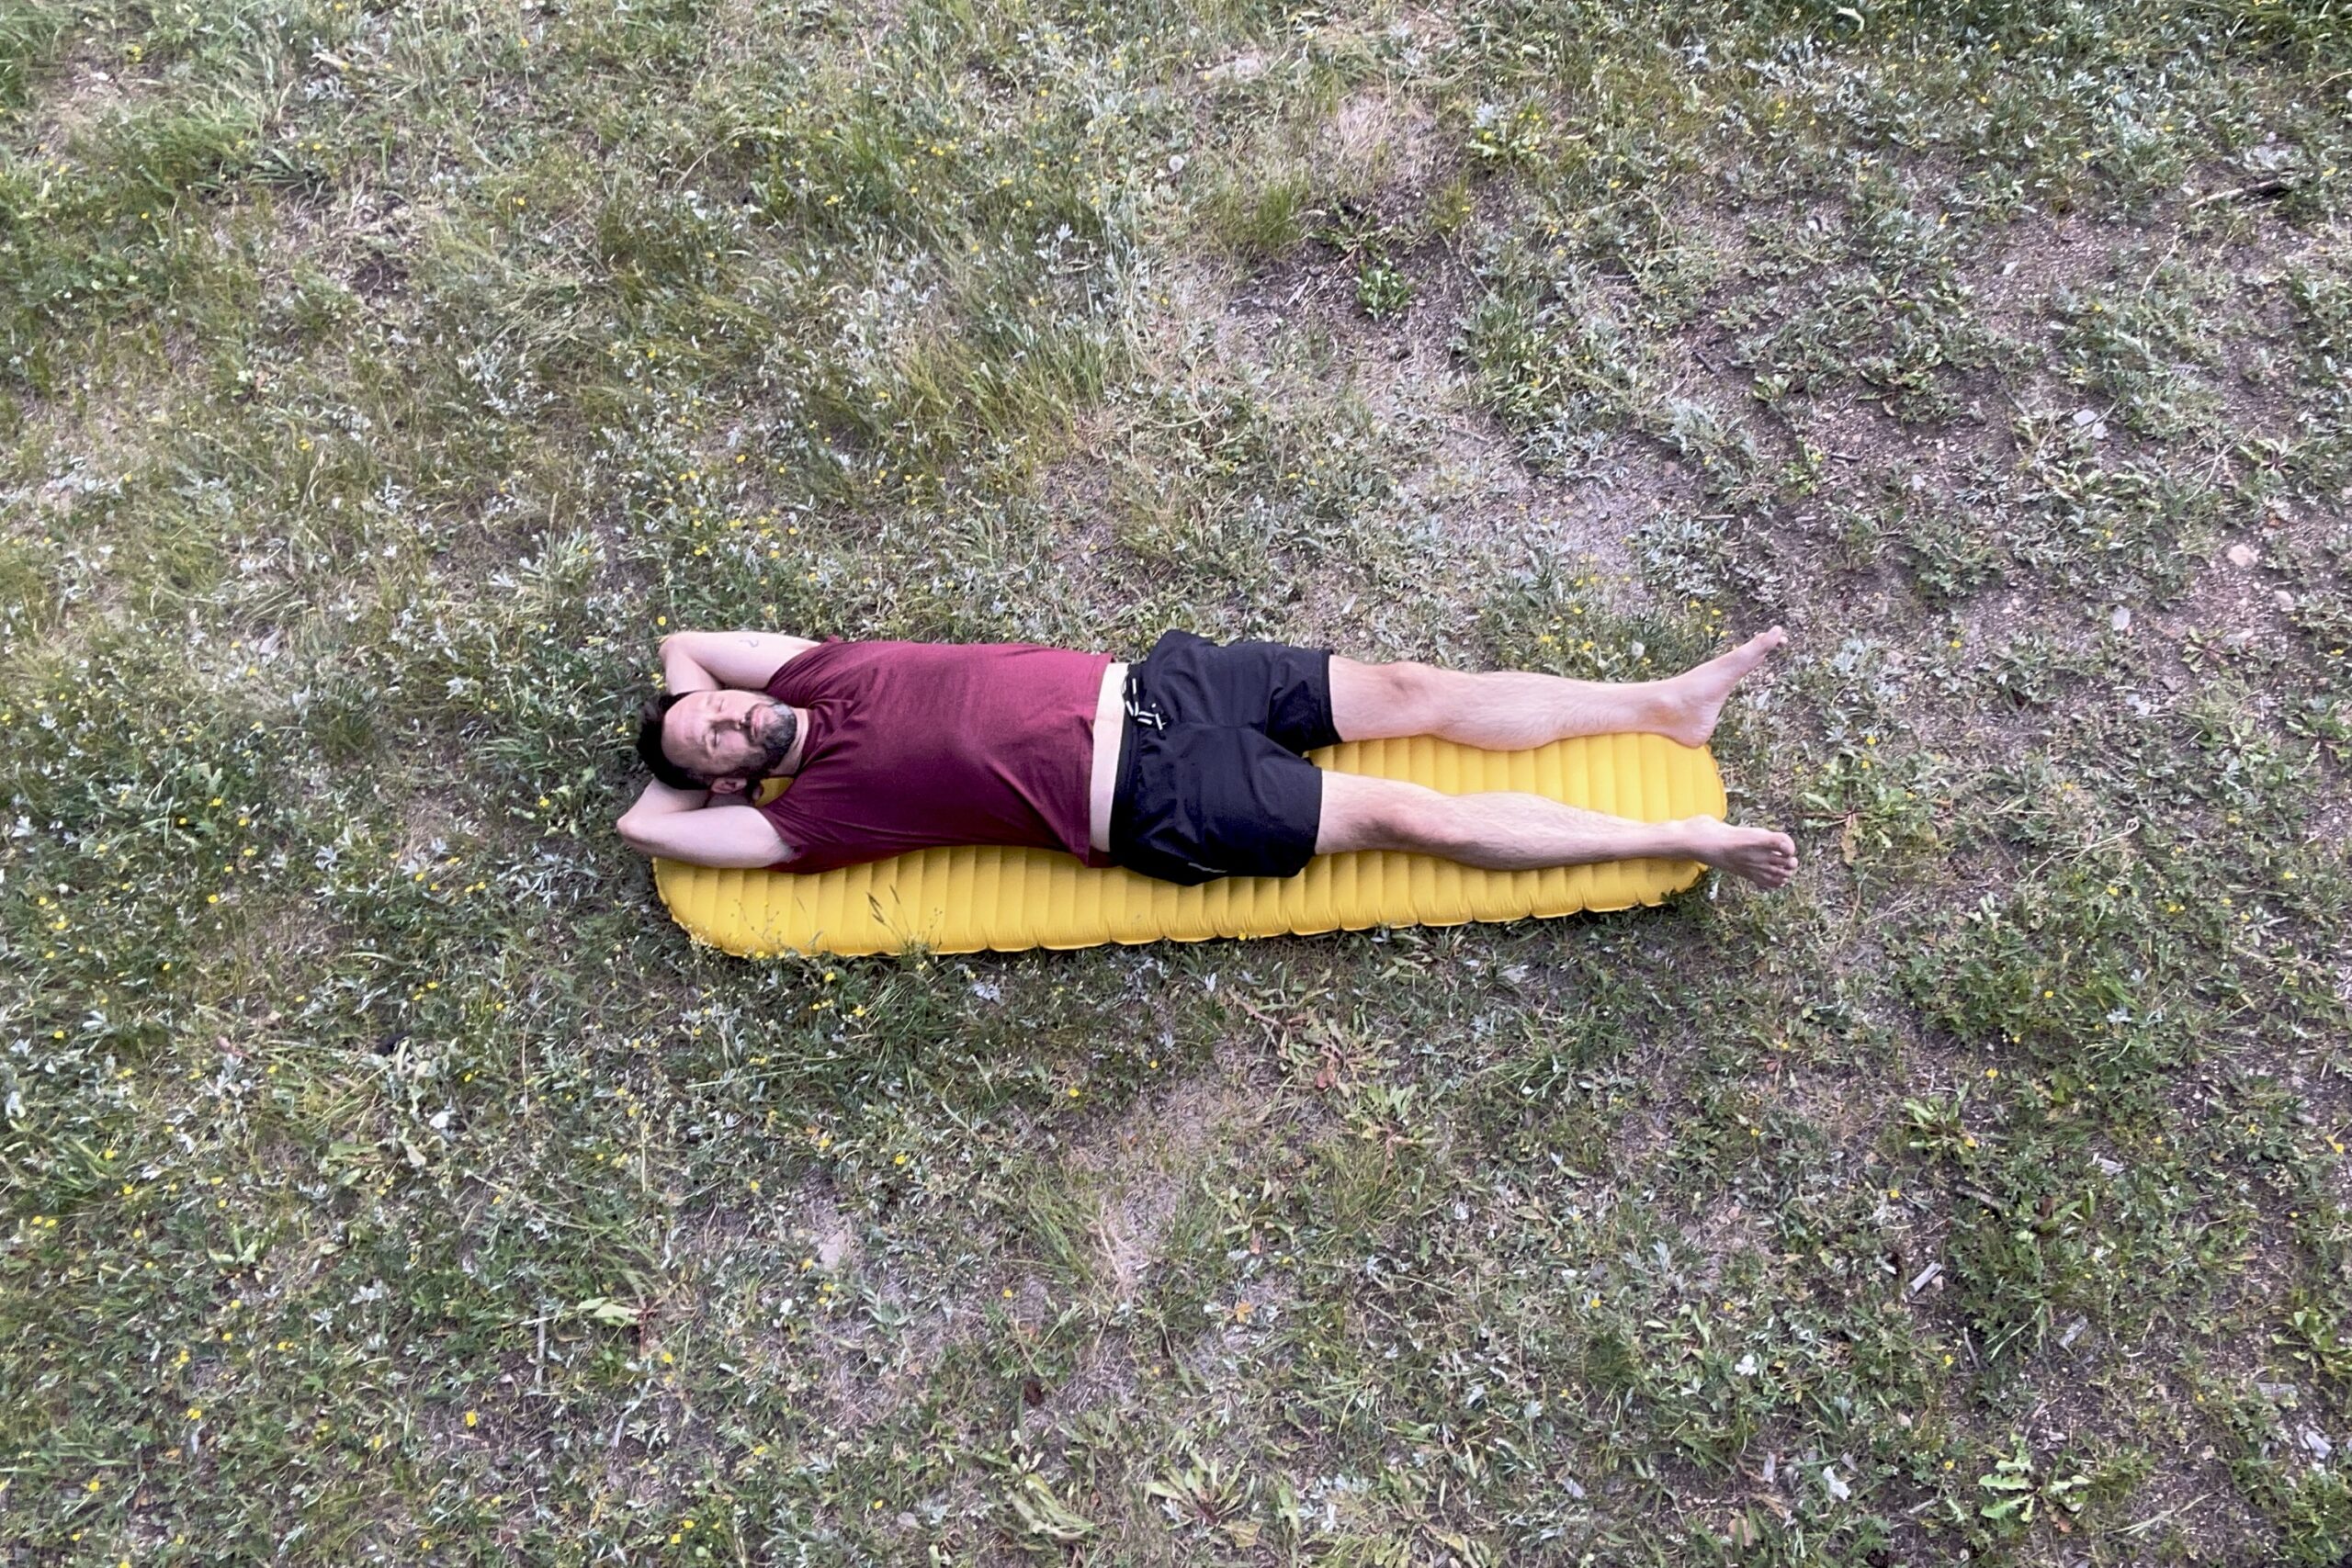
point(386, 1179)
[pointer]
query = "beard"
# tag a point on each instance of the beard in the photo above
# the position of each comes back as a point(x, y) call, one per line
point(774, 728)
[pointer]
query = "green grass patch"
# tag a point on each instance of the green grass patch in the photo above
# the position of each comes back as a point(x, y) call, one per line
point(383, 1177)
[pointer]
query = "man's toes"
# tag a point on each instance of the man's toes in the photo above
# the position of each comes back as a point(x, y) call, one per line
point(1753, 652)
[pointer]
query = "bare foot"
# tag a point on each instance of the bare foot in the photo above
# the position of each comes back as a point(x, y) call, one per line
point(1694, 699)
point(1763, 857)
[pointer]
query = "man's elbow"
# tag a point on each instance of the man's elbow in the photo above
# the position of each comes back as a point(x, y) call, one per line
point(627, 828)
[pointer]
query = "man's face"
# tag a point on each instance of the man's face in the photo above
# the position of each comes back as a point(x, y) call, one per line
point(733, 738)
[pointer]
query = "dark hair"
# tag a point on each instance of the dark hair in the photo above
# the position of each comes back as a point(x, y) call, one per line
point(649, 743)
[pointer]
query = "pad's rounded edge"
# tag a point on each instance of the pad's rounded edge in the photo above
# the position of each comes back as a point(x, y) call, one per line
point(762, 914)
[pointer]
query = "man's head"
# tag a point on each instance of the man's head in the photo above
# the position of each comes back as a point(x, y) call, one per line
point(721, 742)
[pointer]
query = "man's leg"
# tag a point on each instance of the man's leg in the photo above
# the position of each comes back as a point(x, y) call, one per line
point(1505, 830)
point(1509, 710)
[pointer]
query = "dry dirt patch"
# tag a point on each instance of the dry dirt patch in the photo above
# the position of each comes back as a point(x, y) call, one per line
point(1141, 1169)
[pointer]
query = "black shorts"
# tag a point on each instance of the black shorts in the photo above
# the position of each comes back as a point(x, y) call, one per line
point(1213, 776)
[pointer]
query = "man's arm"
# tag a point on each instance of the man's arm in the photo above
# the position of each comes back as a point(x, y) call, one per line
point(671, 823)
point(709, 661)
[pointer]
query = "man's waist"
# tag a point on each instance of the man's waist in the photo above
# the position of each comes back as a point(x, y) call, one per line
point(1110, 732)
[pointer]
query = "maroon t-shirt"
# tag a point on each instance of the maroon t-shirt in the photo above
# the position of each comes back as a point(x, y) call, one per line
point(914, 744)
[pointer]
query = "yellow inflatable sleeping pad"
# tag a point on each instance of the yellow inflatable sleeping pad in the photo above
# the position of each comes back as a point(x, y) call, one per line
point(963, 900)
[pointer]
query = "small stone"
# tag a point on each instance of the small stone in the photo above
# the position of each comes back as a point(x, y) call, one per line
point(2119, 618)
point(2286, 600)
point(832, 1248)
point(2243, 555)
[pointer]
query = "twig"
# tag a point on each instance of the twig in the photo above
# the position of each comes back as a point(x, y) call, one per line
point(2093, 846)
point(1273, 1026)
point(2135, 1530)
point(2275, 185)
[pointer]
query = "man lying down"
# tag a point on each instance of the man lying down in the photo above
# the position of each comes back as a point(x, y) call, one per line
point(1187, 764)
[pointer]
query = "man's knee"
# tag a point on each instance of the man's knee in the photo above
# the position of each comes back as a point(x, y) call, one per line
point(1372, 701)
point(1366, 813)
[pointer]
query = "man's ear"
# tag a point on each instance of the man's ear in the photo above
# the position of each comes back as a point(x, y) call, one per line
point(727, 786)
